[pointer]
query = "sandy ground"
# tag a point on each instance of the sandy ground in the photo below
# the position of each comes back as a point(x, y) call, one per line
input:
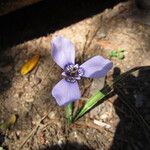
point(126, 111)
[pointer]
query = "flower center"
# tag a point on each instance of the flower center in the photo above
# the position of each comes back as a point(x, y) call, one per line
point(73, 72)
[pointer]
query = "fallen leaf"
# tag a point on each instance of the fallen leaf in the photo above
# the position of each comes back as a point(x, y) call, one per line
point(9, 122)
point(30, 64)
point(1, 148)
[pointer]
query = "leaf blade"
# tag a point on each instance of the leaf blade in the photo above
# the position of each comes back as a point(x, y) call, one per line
point(90, 103)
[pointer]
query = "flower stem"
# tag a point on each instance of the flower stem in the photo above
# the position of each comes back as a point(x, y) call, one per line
point(69, 111)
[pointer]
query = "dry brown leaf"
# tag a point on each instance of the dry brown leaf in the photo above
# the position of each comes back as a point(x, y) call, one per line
point(30, 64)
point(9, 122)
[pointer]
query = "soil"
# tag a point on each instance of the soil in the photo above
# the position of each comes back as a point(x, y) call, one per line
point(41, 123)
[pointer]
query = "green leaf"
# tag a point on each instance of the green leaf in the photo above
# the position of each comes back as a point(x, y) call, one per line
point(119, 53)
point(120, 50)
point(100, 95)
point(90, 103)
point(120, 56)
point(113, 54)
point(9, 122)
point(69, 112)
point(1, 148)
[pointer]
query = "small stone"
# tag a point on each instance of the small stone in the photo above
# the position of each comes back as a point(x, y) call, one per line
point(18, 133)
point(16, 95)
point(60, 143)
point(29, 100)
point(101, 35)
point(104, 116)
point(51, 115)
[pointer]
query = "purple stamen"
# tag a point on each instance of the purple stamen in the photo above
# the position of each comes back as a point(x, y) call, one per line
point(73, 72)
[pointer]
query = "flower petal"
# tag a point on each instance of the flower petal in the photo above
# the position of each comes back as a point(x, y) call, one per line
point(96, 67)
point(63, 51)
point(66, 92)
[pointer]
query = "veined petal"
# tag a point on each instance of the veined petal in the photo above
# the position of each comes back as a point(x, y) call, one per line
point(63, 51)
point(66, 92)
point(96, 67)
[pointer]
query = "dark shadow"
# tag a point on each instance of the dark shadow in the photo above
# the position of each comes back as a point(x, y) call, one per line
point(5, 75)
point(46, 17)
point(2, 138)
point(68, 146)
point(38, 20)
point(132, 106)
point(143, 4)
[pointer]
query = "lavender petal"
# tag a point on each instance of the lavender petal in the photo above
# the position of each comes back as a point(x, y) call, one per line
point(96, 67)
point(63, 51)
point(66, 92)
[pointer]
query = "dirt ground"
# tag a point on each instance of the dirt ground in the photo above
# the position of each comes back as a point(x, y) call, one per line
point(41, 123)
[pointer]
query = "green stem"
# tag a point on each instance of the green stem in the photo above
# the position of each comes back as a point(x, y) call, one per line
point(69, 112)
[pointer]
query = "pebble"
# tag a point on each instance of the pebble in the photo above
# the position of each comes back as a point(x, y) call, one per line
point(52, 115)
point(61, 142)
point(16, 95)
point(29, 100)
point(18, 133)
point(104, 116)
point(101, 35)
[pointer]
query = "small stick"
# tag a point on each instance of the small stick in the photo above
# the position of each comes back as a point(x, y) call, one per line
point(90, 125)
point(32, 132)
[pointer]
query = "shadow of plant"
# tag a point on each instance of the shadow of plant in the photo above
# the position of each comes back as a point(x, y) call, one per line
point(68, 146)
point(133, 108)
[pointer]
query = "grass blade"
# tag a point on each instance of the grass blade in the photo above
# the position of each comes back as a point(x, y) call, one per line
point(90, 103)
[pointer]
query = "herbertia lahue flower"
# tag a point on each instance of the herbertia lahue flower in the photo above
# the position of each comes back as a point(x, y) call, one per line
point(63, 52)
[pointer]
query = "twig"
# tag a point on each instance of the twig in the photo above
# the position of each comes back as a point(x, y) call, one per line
point(85, 47)
point(32, 132)
point(87, 44)
point(89, 124)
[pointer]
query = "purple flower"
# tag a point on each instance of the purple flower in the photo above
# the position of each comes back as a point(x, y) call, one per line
point(63, 53)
